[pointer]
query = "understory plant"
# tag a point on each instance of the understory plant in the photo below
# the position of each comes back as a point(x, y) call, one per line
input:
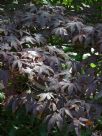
point(51, 67)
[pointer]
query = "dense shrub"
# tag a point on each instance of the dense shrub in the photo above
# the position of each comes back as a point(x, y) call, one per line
point(51, 66)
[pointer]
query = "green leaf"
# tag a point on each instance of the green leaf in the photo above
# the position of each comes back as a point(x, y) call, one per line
point(2, 96)
point(86, 132)
point(92, 65)
point(67, 49)
point(43, 130)
point(78, 57)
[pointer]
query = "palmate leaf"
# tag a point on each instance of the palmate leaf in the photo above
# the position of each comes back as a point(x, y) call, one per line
point(63, 85)
point(74, 27)
point(30, 105)
point(33, 8)
point(6, 29)
point(79, 40)
point(60, 9)
point(3, 55)
point(28, 39)
point(13, 41)
point(60, 31)
point(81, 122)
point(28, 18)
point(71, 88)
point(53, 62)
point(53, 120)
point(43, 18)
point(53, 84)
point(98, 32)
point(18, 17)
point(39, 109)
point(5, 47)
point(32, 54)
point(43, 70)
point(76, 67)
point(55, 23)
point(87, 29)
point(89, 41)
point(57, 17)
point(55, 52)
point(54, 107)
point(16, 102)
point(17, 64)
point(44, 96)
point(65, 111)
point(39, 39)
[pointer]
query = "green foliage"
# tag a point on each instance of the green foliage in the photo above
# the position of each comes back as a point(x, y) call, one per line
point(20, 124)
point(2, 96)
point(99, 123)
point(86, 132)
